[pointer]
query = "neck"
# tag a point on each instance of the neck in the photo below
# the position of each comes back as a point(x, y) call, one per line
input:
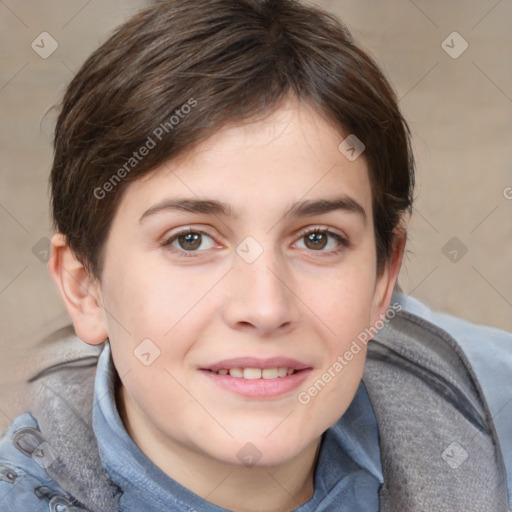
point(274, 489)
point(280, 488)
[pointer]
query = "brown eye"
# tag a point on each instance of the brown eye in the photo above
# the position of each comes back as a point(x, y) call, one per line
point(190, 241)
point(316, 240)
point(322, 241)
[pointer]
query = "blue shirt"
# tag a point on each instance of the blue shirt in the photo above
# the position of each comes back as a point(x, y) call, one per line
point(347, 478)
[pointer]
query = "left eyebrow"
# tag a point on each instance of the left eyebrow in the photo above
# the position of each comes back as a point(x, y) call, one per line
point(320, 206)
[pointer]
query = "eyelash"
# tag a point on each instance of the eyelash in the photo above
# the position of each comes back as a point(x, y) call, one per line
point(343, 242)
point(182, 252)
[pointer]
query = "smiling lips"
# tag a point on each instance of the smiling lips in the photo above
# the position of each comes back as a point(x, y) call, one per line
point(256, 368)
point(258, 378)
point(257, 373)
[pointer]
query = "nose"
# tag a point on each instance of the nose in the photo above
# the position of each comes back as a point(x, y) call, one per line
point(260, 297)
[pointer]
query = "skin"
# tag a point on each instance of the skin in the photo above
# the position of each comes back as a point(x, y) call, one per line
point(294, 300)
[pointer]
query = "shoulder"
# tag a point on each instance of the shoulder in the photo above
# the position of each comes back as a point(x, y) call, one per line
point(39, 449)
point(433, 382)
point(478, 342)
point(439, 341)
point(487, 353)
point(25, 485)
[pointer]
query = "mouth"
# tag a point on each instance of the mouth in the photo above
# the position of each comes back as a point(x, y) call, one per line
point(257, 373)
point(258, 378)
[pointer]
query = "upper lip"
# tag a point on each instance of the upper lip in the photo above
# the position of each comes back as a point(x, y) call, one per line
point(255, 362)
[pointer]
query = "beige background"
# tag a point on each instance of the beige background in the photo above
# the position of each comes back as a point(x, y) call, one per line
point(460, 112)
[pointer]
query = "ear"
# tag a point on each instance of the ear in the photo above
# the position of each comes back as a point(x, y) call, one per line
point(79, 290)
point(386, 281)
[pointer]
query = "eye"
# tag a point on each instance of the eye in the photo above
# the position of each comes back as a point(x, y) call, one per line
point(322, 240)
point(188, 241)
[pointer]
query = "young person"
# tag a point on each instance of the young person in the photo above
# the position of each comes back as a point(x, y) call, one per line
point(230, 191)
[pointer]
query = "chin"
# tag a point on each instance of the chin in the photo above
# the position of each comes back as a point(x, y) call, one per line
point(263, 452)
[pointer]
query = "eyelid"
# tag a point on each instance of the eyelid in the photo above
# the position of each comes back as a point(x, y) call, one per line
point(206, 230)
point(323, 227)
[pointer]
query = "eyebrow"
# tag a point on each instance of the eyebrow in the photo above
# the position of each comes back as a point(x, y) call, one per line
point(319, 206)
point(208, 206)
point(300, 209)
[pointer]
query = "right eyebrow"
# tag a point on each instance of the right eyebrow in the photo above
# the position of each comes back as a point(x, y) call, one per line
point(208, 206)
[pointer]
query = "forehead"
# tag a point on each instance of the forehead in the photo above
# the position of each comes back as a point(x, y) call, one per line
point(265, 165)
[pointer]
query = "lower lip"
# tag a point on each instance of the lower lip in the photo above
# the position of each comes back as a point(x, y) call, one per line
point(259, 388)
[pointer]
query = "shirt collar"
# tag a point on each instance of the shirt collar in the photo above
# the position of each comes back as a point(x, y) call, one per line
point(349, 453)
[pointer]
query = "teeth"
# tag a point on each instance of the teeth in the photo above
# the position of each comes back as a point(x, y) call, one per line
point(236, 372)
point(252, 373)
point(270, 373)
point(257, 373)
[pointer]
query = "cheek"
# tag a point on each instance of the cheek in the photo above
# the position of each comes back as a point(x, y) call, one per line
point(343, 302)
point(164, 292)
point(344, 308)
point(144, 299)
point(156, 313)
point(330, 393)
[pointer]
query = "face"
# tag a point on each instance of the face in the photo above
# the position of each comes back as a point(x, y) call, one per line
point(233, 279)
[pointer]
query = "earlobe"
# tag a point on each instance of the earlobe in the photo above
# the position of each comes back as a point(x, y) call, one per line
point(79, 290)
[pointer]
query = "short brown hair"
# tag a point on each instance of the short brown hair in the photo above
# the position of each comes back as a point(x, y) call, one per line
point(182, 69)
